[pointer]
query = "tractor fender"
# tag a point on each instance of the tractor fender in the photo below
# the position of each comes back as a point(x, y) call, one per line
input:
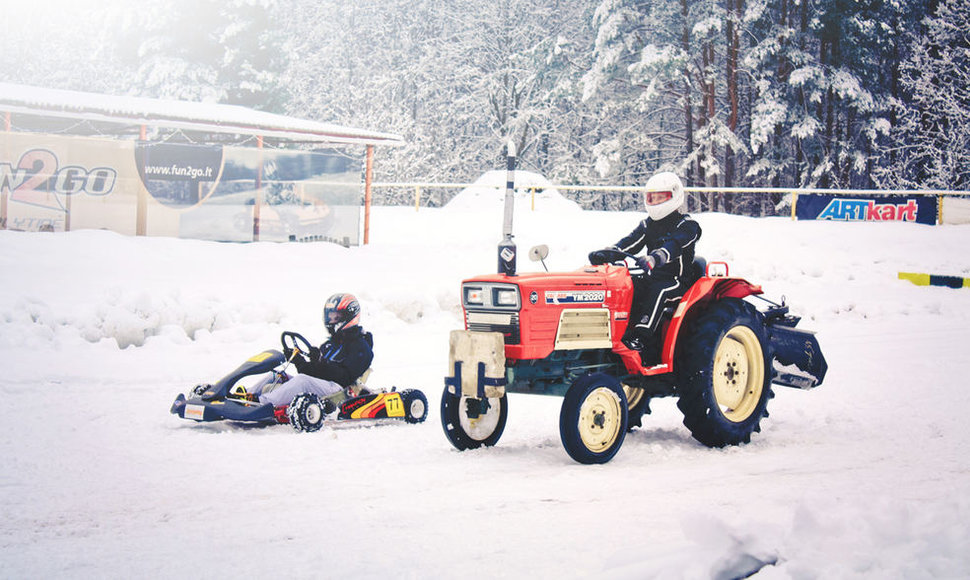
point(703, 291)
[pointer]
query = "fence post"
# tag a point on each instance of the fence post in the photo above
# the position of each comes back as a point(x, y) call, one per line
point(794, 202)
point(417, 197)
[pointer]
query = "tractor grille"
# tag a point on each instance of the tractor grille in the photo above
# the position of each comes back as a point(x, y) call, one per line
point(505, 322)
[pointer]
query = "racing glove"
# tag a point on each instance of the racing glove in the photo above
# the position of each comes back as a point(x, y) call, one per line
point(312, 357)
point(646, 263)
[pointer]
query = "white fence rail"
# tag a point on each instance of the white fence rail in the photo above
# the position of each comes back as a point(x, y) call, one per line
point(953, 205)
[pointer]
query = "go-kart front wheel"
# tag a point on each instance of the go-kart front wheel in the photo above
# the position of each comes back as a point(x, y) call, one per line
point(593, 418)
point(470, 423)
point(415, 406)
point(306, 413)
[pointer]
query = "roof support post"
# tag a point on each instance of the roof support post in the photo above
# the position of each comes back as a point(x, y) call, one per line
point(259, 188)
point(368, 180)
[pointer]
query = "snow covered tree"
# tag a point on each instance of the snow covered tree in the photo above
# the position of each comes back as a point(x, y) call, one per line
point(933, 135)
point(203, 50)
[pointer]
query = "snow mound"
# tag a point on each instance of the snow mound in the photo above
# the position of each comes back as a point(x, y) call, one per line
point(488, 193)
point(128, 319)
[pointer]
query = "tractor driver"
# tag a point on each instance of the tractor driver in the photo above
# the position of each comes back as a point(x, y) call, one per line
point(335, 365)
point(669, 238)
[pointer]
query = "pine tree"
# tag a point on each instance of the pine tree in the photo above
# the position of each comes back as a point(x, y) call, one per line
point(933, 135)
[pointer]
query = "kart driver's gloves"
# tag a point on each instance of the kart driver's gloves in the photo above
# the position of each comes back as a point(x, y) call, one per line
point(646, 263)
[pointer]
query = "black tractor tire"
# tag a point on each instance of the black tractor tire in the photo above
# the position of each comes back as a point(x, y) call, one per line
point(638, 405)
point(415, 406)
point(471, 423)
point(306, 413)
point(724, 373)
point(593, 418)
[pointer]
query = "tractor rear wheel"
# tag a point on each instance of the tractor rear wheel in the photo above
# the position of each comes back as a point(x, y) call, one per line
point(593, 418)
point(470, 423)
point(638, 404)
point(724, 371)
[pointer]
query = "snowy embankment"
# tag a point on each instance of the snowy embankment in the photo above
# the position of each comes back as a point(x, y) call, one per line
point(867, 476)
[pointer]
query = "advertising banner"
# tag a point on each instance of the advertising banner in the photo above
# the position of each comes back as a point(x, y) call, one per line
point(918, 209)
point(63, 183)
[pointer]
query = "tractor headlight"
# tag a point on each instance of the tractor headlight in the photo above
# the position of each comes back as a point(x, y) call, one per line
point(474, 296)
point(508, 297)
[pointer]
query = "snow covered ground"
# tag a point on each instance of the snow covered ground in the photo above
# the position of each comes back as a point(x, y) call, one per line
point(867, 476)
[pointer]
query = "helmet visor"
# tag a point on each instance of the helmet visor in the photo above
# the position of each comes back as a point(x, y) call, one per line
point(657, 197)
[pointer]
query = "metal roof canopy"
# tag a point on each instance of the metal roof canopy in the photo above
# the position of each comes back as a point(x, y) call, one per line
point(183, 115)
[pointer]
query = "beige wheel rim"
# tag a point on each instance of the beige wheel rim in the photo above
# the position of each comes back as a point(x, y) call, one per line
point(633, 395)
point(739, 374)
point(599, 419)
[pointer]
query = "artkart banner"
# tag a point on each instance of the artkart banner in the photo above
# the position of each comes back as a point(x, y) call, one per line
point(211, 192)
point(921, 209)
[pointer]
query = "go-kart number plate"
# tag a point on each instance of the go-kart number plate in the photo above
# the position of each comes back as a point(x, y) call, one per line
point(196, 412)
point(394, 405)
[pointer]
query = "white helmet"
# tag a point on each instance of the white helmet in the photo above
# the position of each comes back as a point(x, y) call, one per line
point(664, 195)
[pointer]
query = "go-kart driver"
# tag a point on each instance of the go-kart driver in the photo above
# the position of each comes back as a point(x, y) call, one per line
point(669, 238)
point(335, 365)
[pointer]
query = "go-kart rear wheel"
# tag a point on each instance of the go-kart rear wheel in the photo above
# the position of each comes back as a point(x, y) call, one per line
point(415, 406)
point(470, 423)
point(306, 413)
point(593, 418)
point(725, 370)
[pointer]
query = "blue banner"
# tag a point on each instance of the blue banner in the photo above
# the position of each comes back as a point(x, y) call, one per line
point(920, 209)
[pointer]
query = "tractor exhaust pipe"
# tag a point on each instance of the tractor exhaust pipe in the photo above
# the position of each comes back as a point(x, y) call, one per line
point(506, 248)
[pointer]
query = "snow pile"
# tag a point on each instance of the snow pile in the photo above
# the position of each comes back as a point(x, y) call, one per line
point(531, 191)
point(866, 476)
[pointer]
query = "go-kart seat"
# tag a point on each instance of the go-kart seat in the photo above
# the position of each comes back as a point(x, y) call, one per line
point(360, 385)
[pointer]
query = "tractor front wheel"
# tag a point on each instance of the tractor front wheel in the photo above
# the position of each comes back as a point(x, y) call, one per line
point(470, 423)
point(593, 418)
point(725, 374)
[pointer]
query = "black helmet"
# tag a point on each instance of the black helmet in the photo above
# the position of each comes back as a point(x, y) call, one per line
point(341, 311)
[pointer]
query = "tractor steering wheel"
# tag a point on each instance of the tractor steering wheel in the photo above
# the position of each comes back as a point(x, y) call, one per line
point(614, 256)
point(294, 342)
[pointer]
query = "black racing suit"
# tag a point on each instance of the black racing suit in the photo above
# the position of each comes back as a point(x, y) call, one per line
point(670, 241)
point(342, 359)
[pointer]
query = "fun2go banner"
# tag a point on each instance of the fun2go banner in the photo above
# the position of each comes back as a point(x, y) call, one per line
point(212, 192)
point(60, 183)
point(884, 208)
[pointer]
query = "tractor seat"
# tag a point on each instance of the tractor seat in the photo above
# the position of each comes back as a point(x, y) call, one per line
point(698, 269)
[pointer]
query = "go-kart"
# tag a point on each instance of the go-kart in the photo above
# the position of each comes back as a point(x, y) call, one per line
point(226, 400)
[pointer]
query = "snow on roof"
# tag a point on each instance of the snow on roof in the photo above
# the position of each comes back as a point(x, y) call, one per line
point(193, 116)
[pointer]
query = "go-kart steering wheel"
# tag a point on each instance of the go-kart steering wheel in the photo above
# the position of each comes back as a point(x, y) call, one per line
point(614, 256)
point(294, 342)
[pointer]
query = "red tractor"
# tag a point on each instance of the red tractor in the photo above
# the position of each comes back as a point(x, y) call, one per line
point(559, 334)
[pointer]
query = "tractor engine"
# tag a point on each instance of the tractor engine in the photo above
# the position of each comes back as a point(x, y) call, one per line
point(553, 327)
